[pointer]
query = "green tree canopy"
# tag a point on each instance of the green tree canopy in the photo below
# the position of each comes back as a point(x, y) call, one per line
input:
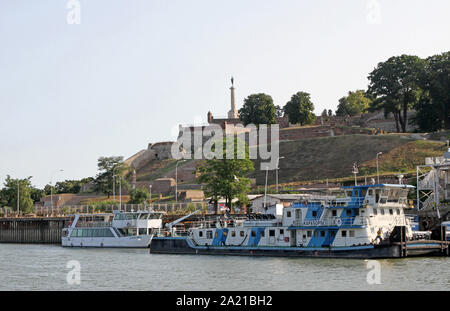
point(258, 109)
point(107, 167)
point(433, 109)
point(353, 104)
point(139, 196)
point(395, 87)
point(18, 188)
point(225, 178)
point(300, 109)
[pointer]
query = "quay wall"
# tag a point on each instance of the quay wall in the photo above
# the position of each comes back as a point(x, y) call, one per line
point(32, 230)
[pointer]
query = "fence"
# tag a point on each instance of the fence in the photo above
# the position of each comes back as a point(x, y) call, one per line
point(46, 211)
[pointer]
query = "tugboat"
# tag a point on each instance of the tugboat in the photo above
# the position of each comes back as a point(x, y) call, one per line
point(368, 221)
point(120, 229)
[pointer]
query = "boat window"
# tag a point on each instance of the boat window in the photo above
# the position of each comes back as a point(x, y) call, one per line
point(344, 233)
point(322, 233)
point(271, 232)
point(253, 233)
point(334, 213)
point(352, 233)
point(382, 211)
point(288, 214)
point(242, 233)
point(200, 233)
point(74, 233)
point(143, 216)
point(233, 233)
point(209, 234)
point(142, 231)
point(282, 231)
point(370, 192)
point(377, 195)
point(398, 211)
point(309, 233)
point(375, 211)
point(262, 233)
point(349, 212)
point(348, 193)
point(314, 213)
point(363, 192)
point(316, 234)
point(391, 212)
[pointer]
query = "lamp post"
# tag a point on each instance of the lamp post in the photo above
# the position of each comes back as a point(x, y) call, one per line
point(150, 188)
point(120, 193)
point(18, 197)
point(265, 188)
point(378, 174)
point(176, 180)
point(51, 186)
point(278, 167)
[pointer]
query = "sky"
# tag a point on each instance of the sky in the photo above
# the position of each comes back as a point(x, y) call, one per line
point(131, 71)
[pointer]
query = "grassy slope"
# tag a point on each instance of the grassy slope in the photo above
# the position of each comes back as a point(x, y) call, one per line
point(333, 157)
point(317, 159)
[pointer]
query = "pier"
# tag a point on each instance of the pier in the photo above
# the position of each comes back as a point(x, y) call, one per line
point(30, 230)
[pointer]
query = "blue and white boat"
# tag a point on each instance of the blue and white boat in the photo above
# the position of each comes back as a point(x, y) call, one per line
point(368, 221)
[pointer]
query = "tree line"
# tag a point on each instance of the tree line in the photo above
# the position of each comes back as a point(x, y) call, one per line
point(396, 86)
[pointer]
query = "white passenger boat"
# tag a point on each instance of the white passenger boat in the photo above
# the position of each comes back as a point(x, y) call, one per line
point(120, 229)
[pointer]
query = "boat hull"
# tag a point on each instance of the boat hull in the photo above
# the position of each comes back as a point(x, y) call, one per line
point(121, 242)
point(181, 245)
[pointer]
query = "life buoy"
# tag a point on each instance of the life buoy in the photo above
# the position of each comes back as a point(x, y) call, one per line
point(338, 222)
point(286, 239)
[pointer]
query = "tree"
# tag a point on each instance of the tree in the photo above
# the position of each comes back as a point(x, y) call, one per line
point(433, 113)
point(109, 166)
point(224, 178)
point(395, 87)
point(11, 194)
point(300, 109)
point(258, 109)
point(139, 196)
point(353, 104)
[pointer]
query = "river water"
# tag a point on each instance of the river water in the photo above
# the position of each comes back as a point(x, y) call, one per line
point(44, 267)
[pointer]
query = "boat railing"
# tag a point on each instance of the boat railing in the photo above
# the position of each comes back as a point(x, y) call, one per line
point(333, 222)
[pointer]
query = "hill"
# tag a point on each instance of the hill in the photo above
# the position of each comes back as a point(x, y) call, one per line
point(317, 159)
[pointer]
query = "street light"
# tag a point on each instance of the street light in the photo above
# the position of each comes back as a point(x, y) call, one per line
point(120, 190)
point(265, 188)
point(51, 186)
point(150, 188)
point(176, 180)
point(378, 174)
point(18, 197)
point(278, 167)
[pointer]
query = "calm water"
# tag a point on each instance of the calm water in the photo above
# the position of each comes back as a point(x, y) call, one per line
point(43, 267)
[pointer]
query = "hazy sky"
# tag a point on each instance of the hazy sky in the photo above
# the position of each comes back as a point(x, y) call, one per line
point(132, 70)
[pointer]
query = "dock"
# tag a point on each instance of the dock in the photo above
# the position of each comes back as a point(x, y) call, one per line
point(32, 230)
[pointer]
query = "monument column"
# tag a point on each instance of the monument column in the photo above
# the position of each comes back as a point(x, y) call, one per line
point(233, 114)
